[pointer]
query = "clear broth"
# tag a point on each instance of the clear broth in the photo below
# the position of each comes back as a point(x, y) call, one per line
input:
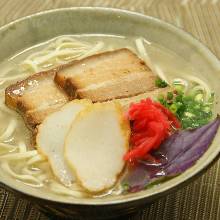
point(171, 64)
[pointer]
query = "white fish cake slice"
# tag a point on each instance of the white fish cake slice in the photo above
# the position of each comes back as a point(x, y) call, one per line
point(51, 135)
point(95, 145)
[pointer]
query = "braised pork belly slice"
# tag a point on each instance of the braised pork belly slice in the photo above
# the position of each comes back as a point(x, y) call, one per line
point(35, 97)
point(106, 76)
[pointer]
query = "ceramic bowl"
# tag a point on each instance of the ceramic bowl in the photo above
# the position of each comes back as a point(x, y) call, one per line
point(40, 27)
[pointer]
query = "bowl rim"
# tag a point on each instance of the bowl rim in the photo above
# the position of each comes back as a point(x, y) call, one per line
point(188, 37)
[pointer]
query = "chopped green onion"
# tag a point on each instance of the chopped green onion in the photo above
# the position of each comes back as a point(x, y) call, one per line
point(173, 108)
point(160, 83)
point(125, 186)
point(190, 109)
point(169, 95)
point(189, 114)
point(207, 109)
point(179, 88)
point(199, 97)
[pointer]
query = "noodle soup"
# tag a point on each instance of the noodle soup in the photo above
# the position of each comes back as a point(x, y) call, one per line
point(18, 156)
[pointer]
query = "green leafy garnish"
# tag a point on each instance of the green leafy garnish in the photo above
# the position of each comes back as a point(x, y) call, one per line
point(191, 110)
point(160, 83)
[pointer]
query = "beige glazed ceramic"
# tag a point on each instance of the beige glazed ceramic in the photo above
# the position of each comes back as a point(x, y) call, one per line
point(34, 29)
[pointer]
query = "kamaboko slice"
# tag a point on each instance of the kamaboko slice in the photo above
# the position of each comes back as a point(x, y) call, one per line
point(95, 145)
point(51, 135)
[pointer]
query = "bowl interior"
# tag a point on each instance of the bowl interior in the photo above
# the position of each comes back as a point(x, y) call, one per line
point(34, 29)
